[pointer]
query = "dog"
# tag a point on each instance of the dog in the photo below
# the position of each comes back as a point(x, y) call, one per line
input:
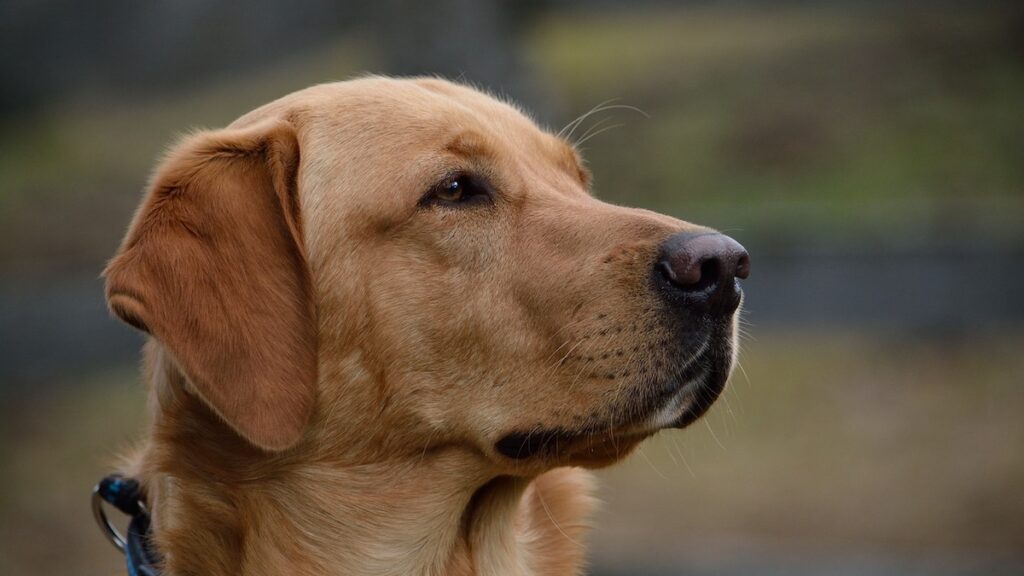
point(390, 329)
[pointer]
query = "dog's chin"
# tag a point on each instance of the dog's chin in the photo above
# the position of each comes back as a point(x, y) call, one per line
point(692, 400)
point(675, 401)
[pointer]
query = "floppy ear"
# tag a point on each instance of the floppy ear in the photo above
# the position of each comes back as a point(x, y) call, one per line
point(214, 267)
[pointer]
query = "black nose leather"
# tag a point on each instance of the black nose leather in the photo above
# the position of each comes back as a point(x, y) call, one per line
point(701, 269)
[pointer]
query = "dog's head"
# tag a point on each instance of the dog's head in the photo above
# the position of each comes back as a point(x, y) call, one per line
point(415, 257)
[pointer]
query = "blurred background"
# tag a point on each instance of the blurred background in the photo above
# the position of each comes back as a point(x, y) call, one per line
point(870, 155)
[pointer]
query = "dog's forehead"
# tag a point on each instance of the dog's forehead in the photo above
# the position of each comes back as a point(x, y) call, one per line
point(431, 113)
point(402, 115)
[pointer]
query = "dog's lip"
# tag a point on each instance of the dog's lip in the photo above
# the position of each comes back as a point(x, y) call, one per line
point(683, 383)
point(685, 397)
point(701, 394)
point(683, 401)
point(581, 447)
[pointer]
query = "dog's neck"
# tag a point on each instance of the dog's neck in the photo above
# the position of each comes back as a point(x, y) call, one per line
point(223, 507)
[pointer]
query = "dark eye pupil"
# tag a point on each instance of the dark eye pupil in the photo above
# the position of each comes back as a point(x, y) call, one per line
point(455, 191)
point(461, 190)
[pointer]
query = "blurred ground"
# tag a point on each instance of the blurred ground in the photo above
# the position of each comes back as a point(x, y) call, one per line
point(870, 156)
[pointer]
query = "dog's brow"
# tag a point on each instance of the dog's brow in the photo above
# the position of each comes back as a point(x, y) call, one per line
point(471, 146)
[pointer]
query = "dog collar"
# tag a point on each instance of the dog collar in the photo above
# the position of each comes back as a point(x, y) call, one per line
point(125, 494)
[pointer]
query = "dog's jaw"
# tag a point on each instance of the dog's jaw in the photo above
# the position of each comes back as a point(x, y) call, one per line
point(307, 512)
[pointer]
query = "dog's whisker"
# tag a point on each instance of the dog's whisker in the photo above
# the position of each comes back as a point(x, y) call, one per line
point(734, 391)
point(547, 511)
point(728, 406)
point(668, 452)
point(707, 423)
point(565, 327)
point(588, 136)
point(686, 462)
point(618, 390)
point(595, 126)
point(743, 371)
point(564, 356)
point(597, 110)
point(643, 454)
point(571, 126)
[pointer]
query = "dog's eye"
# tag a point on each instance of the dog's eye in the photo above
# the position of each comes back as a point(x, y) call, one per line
point(458, 191)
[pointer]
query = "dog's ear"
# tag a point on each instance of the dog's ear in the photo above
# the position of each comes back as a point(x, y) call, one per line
point(214, 267)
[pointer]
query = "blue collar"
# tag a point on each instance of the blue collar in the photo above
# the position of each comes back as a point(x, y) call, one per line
point(125, 494)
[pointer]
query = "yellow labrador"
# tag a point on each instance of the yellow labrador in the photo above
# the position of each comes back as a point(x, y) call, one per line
point(388, 325)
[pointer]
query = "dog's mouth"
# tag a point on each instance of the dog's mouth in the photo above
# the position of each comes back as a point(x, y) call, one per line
point(675, 400)
point(678, 401)
point(593, 447)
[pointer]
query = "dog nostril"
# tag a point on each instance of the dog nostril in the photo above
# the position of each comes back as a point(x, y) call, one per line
point(710, 271)
point(694, 276)
point(666, 270)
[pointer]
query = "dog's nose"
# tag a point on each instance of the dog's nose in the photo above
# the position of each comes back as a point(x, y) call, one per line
point(702, 267)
